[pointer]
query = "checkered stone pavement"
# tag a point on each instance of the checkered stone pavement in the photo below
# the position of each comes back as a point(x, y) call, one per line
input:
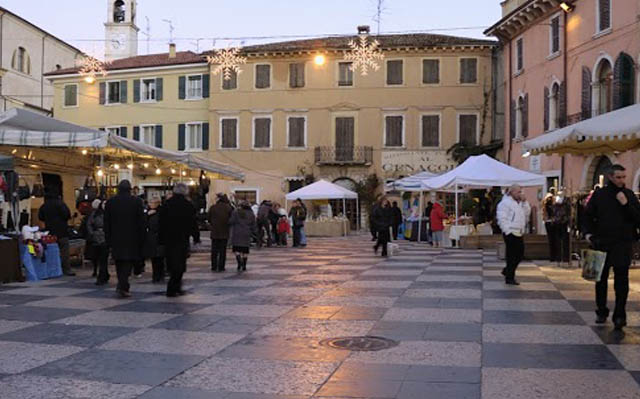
point(461, 332)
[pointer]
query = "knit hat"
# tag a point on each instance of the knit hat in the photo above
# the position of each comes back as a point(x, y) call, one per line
point(96, 203)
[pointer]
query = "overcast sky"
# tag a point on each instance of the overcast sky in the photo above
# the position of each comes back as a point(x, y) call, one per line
point(80, 22)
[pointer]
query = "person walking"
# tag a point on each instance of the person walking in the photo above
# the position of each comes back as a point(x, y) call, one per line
point(512, 220)
point(177, 223)
point(549, 225)
point(264, 225)
point(124, 228)
point(396, 218)
point(243, 223)
point(153, 249)
point(274, 215)
point(382, 219)
point(298, 215)
point(55, 214)
point(372, 227)
point(611, 225)
point(436, 220)
point(303, 234)
point(98, 242)
point(219, 215)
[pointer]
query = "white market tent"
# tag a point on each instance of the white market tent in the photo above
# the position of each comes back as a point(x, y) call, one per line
point(614, 131)
point(23, 128)
point(323, 189)
point(411, 183)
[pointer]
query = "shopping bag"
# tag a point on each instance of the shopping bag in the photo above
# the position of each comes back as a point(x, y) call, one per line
point(592, 263)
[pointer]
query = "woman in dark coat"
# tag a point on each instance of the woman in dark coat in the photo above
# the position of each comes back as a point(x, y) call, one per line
point(243, 223)
point(153, 249)
point(98, 242)
point(382, 218)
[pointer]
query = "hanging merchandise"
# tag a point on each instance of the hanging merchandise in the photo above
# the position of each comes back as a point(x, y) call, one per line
point(37, 190)
point(24, 192)
point(227, 61)
point(364, 54)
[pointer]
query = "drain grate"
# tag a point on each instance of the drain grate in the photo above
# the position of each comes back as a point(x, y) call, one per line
point(364, 344)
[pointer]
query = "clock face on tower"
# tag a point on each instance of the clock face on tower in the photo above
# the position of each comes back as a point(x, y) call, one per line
point(118, 41)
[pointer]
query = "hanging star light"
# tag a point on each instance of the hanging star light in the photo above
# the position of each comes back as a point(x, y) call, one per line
point(90, 67)
point(227, 61)
point(364, 54)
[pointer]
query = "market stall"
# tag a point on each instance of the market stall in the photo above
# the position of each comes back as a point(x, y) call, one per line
point(324, 190)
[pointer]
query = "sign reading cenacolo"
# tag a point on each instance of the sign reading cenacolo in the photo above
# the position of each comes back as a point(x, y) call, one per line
point(406, 163)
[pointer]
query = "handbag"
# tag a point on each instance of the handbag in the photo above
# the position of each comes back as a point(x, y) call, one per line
point(592, 263)
point(23, 192)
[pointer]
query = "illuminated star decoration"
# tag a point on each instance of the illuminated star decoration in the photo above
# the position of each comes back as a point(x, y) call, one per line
point(364, 54)
point(227, 61)
point(91, 67)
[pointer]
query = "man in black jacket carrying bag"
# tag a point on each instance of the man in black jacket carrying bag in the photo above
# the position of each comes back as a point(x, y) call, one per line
point(611, 225)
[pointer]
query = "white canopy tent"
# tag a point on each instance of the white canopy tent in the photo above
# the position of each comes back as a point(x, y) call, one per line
point(411, 183)
point(614, 131)
point(323, 189)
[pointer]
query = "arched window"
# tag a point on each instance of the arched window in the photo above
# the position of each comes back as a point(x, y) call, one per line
point(21, 61)
point(604, 87)
point(119, 11)
point(554, 96)
point(602, 168)
point(623, 82)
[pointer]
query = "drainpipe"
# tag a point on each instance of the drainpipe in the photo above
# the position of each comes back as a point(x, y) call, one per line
point(566, 90)
point(42, 73)
point(510, 100)
point(1, 40)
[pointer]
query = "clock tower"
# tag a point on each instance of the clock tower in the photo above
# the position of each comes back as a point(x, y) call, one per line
point(121, 32)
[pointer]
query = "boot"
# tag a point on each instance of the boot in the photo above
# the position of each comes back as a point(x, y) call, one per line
point(244, 264)
point(239, 259)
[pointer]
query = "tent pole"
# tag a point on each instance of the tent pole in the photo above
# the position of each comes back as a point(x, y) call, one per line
point(420, 218)
point(456, 221)
point(358, 225)
point(344, 212)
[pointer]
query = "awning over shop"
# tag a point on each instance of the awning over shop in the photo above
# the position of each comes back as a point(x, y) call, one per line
point(19, 127)
point(614, 131)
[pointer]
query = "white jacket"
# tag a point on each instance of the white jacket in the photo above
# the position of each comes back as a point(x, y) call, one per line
point(512, 216)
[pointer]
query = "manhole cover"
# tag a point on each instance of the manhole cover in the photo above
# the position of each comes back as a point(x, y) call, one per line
point(360, 343)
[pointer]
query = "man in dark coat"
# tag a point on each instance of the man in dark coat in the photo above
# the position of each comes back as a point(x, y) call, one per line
point(124, 228)
point(219, 215)
point(611, 224)
point(55, 214)
point(382, 219)
point(177, 223)
point(396, 216)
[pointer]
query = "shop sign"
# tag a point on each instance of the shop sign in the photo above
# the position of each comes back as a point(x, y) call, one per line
point(534, 163)
point(406, 163)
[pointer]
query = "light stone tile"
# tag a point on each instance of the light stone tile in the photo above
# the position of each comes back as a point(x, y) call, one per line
point(316, 328)
point(13, 325)
point(527, 273)
point(539, 334)
point(47, 291)
point(443, 293)
point(321, 277)
point(432, 353)
point(365, 301)
point(628, 355)
point(416, 264)
point(198, 299)
point(528, 305)
point(117, 319)
point(434, 315)
point(173, 342)
point(472, 260)
point(343, 267)
point(256, 376)
point(17, 357)
point(374, 272)
point(275, 271)
point(524, 286)
point(376, 284)
point(227, 282)
point(246, 310)
point(448, 277)
point(27, 386)
point(288, 291)
point(455, 268)
point(79, 303)
point(633, 318)
point(501, 383)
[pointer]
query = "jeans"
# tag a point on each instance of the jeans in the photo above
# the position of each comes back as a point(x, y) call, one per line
point(303, 236)
point(177, 265)
point(618, 258)
point(218, 253)
point(514, 255)
point(63, 245)
point(123, 270)
point(297, 235)
point(101, 262)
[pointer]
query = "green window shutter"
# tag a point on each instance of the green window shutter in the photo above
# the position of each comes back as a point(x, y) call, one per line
point(136, 91)
point(205, 136)
point(205, 85)
point(158, 140)
point(182, 87)
point(182, 137)
point(136, 133)
point(159, 82)
point(103, 92)
point(123, 91)
point(123, 131)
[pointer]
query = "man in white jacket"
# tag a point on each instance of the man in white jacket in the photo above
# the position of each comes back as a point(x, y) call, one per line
point(512, 215)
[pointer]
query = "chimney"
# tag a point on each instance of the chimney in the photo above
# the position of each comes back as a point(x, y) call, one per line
point(363, 29)
point(172, 50)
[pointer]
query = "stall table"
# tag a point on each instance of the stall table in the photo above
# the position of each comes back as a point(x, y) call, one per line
point(328, 228)
point(10, 265)
point(37, 269)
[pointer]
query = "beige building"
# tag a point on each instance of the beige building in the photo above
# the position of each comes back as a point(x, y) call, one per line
point(26, 53)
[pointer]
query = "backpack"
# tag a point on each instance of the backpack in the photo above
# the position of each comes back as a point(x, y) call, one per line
point(283, 225)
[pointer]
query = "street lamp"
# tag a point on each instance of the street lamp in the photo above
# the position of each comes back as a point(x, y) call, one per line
point(567, 6)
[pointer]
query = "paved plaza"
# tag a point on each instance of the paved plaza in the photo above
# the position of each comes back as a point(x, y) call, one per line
point(460, 332)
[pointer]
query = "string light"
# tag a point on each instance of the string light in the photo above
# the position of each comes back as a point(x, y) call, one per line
point(364, 54)
point(100, 173)
point(319, 59)
point(158, 171)
point(85, 152)
point(116, 166)
point(227, 61)
point(130, 166)
point(184, 173)
point(173, 171)
point(90, 67)
point(146, 165)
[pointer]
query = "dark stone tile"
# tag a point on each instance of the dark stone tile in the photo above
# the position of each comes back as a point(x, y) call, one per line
point(442, 303)
point(525, 294)
point(238, 324)
point(119, 367)
point(628, 336)
point(576, 287)
point(370, 371)
point(476, 285)
point(189, 322)
point(516, 317)
point(590, 305)
point(549, 356)
point(421, 390)
point(268, 300)
point(399, 330)
point(283, 348)
point(247, 395)
point(359, 313)
point(383, 278)
point(226, 290)
point(635, 375)
point(523, 279)
point(470, 375)
point(360, 389)
point(109, 292)
point(11, 299)
point(365, 292)
point(455, 272)
point(174, 392)
point(158, 307)
point(61, 334)
point(33, 313)
point(466, 332)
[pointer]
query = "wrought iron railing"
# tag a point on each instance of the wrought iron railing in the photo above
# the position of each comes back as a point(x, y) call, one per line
point(357, 155)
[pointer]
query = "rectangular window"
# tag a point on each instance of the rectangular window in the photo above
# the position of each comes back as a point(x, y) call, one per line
point(262, 133)
point(393, 127)
point(555, 35)
point(113, 92)
point(251, 196)
point(345, 138)
point(148, 134)
point(394, 72)
point(519, 55)
point(194, 86)
point(430, 71)
point(296, 75)
point(468, 128)
point(148, 90)
point(604, 15)
point(345, 74)
point(193, 137)
point(230, 84)
point(296, 132)
point(71, 95)
point(468, 70)
point(431, 130)
point(115, 130)
point(263, 76)
point(229, 128)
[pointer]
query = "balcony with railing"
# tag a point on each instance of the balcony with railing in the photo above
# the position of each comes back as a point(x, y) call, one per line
point(357, 155)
